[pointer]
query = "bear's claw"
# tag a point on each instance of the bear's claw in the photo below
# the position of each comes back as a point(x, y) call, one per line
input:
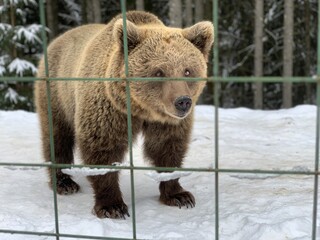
point(180, 200)
point(116, 211)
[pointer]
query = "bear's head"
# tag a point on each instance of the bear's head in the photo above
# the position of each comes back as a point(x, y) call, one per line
point(158, 51)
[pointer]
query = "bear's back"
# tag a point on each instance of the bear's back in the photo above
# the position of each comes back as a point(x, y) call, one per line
point(139, 18)
point(66, 50)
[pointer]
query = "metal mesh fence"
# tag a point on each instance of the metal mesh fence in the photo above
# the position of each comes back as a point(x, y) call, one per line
point(216, 80)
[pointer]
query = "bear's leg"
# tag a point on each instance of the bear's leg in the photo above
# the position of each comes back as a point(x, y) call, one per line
point(102, 137)
point(165, 145)
point(108, 196)
point(63, 148)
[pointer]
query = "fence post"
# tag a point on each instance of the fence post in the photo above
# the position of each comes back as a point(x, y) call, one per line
point(128, 103)
point(317, 146)
point(216, 85)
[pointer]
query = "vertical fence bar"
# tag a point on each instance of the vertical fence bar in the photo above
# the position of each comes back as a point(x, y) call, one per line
point(258, 53)
point(125, 46)
point(52, 156)
point(216, 85)
point(316, 167)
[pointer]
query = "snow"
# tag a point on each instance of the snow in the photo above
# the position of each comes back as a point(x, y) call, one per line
point(252, 206)
point(158, 177)
point(19, 66)
point(30, 33)
point(3, 59)
point(2, 9)
point(5, 27)
point(86, 171)
point(26, 2)
point(12, 96)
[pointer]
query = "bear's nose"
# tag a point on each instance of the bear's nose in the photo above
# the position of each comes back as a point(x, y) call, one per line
point(183, 103)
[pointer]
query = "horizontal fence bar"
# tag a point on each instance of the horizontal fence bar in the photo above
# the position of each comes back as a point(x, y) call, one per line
point(7, 231)
point(20, 79)
point(223, 170)
point(313, 79)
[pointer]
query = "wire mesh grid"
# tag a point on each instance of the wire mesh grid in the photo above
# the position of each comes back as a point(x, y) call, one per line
point(217, 80)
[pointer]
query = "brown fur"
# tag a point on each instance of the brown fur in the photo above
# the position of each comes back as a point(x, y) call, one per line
point(94, 114)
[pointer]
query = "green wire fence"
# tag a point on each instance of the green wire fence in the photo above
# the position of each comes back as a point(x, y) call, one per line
point(217, 80)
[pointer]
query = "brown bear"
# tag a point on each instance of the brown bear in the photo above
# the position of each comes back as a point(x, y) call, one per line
point(93, 114)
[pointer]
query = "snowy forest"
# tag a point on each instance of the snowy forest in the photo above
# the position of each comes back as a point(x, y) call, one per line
point(255, 39)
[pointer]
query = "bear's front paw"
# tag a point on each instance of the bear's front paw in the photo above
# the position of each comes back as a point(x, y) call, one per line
point(179, 199)
point(116, 211)
point(66, 186)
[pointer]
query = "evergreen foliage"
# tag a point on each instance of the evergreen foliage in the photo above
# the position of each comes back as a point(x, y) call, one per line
point(20, 45)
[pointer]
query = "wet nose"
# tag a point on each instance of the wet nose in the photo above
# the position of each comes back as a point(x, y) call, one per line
point(183, 103)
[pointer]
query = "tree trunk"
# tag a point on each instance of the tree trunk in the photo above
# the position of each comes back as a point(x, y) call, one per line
point(84, 12)
point(14, 53)
point(287, 52)
point(140, 5)
point(52, 18)
point(96, 7)
point(175, 13)
point(198, 10)
point(258, 53)
point(3, 17)
point(308, 55)
point(93, 11)
point(188, 12)
point(198, 16)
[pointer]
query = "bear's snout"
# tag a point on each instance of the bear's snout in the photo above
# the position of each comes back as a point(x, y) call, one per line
point(183, 104)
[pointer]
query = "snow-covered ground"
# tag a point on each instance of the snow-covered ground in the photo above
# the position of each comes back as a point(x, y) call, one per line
point(252, 207)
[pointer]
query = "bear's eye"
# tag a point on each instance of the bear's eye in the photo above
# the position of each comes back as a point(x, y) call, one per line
point(187, 73)
point(159, 73)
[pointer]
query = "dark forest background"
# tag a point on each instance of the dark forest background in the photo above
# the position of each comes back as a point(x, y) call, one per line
point(255, 39)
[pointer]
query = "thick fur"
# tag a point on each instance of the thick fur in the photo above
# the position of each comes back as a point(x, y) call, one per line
point(93, 114)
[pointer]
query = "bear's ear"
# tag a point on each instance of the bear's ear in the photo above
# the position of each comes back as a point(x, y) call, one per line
point(133, 33)
point(201, 35)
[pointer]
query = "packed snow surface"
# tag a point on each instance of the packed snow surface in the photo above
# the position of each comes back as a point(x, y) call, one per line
point(251, 206)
